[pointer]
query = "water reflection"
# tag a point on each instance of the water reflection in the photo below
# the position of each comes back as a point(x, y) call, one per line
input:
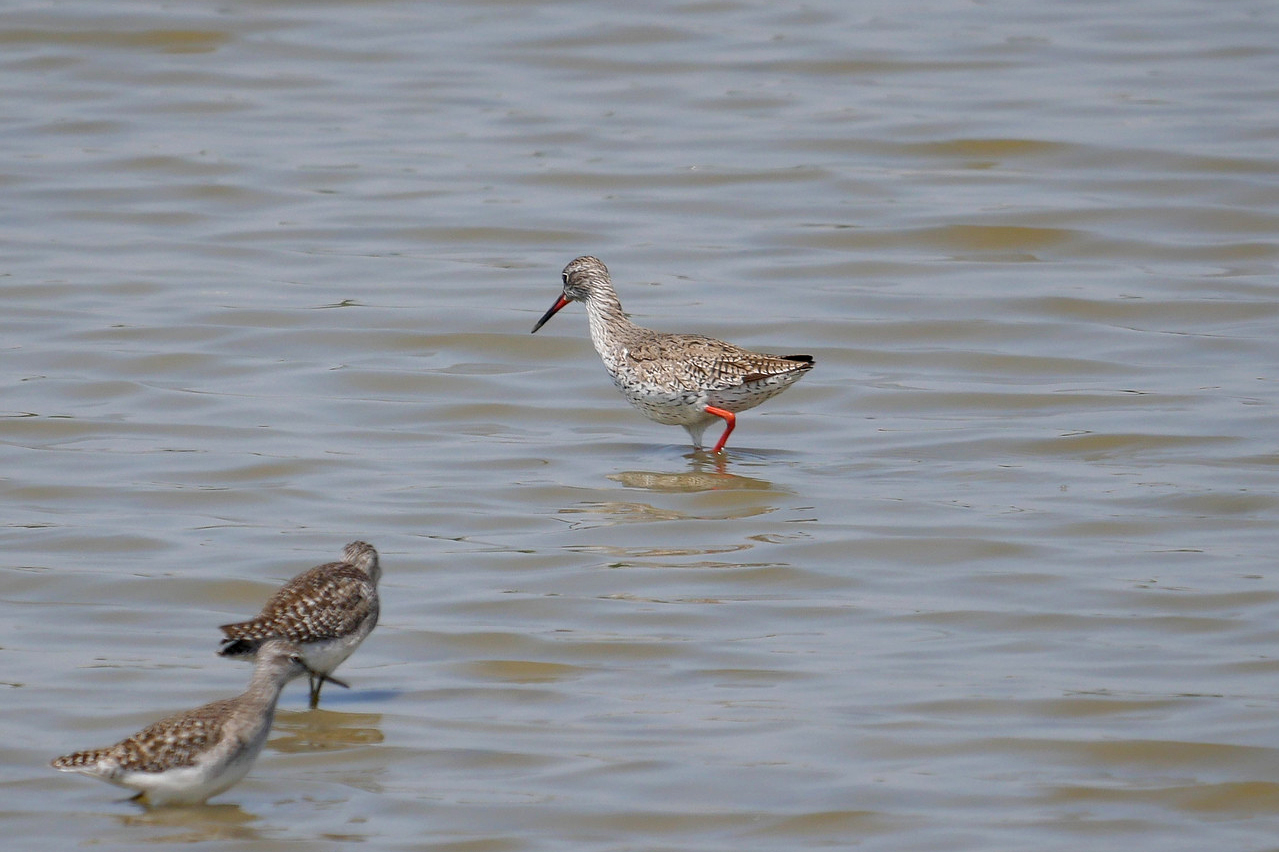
point(713, 488)
point(688, 482)
point(611, 512)
point(300, 732)
point(194, 823)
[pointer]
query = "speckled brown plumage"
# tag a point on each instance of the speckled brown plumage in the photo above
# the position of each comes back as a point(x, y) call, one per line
point(327, 610)
point(678, 379)
point(191, 756)
point(167, 744)
point(694, 362)
point(324, 602)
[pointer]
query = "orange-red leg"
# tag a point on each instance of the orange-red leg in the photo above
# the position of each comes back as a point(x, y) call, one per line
point(729, 418)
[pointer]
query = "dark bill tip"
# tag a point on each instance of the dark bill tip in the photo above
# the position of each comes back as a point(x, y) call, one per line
point(559, 303)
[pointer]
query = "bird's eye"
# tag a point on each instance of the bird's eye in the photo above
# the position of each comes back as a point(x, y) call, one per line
point(295, 658)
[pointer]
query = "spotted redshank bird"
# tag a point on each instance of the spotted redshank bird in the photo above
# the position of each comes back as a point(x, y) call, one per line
point(678, 379)
point(191, 756)
point(327, 611)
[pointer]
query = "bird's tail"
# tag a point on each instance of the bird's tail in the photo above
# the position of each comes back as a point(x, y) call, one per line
point(239, 647)
point(79, 761)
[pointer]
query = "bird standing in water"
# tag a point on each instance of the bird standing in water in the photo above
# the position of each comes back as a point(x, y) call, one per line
point(191, 756)
point(678, 379)
point(327, 611)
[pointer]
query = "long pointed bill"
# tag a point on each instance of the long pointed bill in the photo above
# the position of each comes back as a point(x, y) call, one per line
point(559, 303)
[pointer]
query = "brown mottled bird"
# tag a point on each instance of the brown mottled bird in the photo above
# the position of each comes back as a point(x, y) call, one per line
point(191, 756)
point(678, 379)
point(327, 611)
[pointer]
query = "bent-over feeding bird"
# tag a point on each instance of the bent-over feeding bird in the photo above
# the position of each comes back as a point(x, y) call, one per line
point(678, 379)
point(191, 756)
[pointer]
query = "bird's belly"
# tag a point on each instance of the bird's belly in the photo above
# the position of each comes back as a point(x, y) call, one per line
point(672, 408)
point(327, 654)
point(187, 785)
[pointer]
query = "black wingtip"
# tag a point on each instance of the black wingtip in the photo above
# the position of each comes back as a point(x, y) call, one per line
point(805, 359)
point(237, 648)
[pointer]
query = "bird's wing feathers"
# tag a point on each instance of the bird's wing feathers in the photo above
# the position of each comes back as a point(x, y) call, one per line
point(324, 602)
point(171, 742)
point(702, 363)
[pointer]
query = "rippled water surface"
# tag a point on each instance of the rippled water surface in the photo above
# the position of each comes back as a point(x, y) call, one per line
point(997, 575)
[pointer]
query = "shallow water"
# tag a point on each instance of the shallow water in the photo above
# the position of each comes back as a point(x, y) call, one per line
point(996, 575)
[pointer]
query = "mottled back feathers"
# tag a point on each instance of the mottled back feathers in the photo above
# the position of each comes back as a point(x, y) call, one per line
point(692, 362)
point(325, 602)
point(167, 744)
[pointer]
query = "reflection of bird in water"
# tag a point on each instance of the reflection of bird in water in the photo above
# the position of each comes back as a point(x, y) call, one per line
point(613, 512)
point(689, 481)
point(191, 756)
point(327, 610)
point(303, 732)
point(678, 379)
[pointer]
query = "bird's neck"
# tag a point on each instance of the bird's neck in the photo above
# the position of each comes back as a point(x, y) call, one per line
point(265, 687)
point(609, 324)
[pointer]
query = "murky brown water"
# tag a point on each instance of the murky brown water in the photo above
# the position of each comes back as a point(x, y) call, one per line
point(997, 575)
